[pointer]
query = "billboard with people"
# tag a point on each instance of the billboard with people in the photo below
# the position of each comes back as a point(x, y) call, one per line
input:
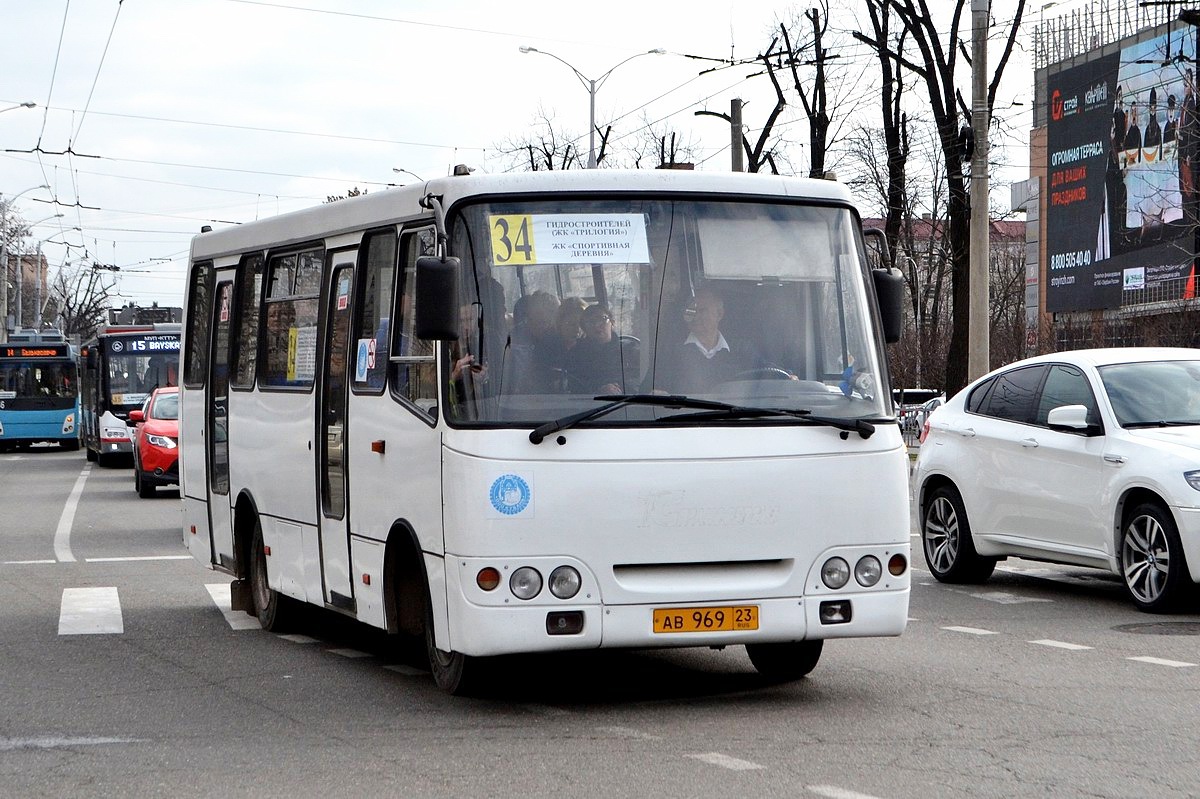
point(1122, 147)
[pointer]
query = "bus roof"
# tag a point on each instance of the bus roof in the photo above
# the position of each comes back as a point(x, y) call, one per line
point(356, 213)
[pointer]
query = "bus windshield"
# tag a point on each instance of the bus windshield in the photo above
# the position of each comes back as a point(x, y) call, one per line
point(29, 379)
point(131, 377)
point(759, 304)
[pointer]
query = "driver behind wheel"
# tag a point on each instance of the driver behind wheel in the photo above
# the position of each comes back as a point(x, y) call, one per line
point(705, 358)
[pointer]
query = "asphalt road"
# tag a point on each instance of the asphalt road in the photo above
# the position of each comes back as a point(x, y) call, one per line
point(122, 676)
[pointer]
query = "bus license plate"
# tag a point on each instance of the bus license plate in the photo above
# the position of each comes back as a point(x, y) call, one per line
point(705, 620)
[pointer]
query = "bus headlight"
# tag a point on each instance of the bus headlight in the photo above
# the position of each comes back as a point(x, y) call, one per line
point(69, 423)
point(565, 582)
point(868, 570)
point(835, 573)
point(525, 583)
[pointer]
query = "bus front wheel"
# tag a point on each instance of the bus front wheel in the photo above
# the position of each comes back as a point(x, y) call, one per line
point(454, 672)
point(789, 661)
point(275, 612)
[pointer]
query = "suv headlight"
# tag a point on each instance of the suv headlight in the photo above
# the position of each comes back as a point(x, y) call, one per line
point(161, 441)
point(1193, 479)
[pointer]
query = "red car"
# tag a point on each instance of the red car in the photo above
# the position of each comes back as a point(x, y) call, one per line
point(156, 441)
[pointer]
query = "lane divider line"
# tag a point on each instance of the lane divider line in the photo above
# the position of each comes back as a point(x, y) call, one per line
point(725, 761)
point(834, 792)
point(1060, 645)
point(970, 630)
point(62, 534)
point(1176, 664)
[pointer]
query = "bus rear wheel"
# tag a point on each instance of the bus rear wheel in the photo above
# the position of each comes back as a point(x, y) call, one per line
point(789, 661)
point(276, 612)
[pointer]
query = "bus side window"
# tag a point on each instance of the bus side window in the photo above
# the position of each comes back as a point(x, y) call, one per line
point(373, 323)
point(199, 314)
point(245, 342)
point(414, 368)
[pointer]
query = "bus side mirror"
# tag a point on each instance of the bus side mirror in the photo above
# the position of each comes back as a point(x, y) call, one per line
point(889, 290)
point(436, 298)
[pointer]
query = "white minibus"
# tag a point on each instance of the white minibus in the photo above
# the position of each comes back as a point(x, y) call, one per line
point(556, 410)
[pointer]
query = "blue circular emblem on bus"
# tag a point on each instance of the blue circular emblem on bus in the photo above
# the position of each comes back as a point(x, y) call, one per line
point(510, 494)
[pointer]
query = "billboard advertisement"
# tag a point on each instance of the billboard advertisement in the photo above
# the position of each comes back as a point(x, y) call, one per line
point(1123, 141)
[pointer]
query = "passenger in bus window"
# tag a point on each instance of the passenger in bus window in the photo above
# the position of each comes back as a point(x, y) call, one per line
point(533, 330)
point(596, 363)
point(468, 372)
point(552, 352)
point(705, 358)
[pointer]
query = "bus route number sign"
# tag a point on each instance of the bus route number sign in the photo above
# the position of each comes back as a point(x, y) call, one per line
point(528, 239)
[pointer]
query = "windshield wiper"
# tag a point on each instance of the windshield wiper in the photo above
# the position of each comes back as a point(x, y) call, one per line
point(861, 426)
point(1162, 423)
point(710, 409)
point(615, 401)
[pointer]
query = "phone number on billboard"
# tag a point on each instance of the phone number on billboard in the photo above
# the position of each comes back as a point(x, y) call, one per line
point(1070, 260)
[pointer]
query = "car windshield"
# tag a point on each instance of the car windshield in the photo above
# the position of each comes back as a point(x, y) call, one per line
point(165, 406)
point(748, 303)
point(1153, 393)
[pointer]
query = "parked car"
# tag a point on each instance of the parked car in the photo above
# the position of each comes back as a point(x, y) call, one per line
point(922, 414)
point(1090, 458)
point(156, 441)
point(908, 401)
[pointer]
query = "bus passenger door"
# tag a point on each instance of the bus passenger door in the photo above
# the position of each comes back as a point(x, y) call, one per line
point(334, 530)
point(216, 429)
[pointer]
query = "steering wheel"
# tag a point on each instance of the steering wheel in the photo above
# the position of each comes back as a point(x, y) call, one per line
point(764, 373)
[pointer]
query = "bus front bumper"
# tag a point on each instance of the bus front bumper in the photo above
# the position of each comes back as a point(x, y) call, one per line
point(485, 631)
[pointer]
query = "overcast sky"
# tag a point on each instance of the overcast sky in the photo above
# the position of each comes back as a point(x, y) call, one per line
point(155, 117)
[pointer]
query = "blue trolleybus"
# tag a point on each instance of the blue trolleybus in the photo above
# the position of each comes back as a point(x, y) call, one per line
point(39, 391)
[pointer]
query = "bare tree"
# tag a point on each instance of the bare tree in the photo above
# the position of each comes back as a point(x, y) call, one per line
point(79, 299)
point(545, 147)
point(936, 64)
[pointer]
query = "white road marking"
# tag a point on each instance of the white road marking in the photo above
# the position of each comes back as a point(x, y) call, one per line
point(296, 638)
point(11, 744)
point(1005, 598)
point(238, 619)
point(90, 611)
point(350, 653)
point(137, 557)
point(629, 732)
point(1060, 645)
point(834, 792)
point(725, 761)
point(407, 671)
point(1177, 664)
point(62, 535)
point(969, 630)
point(27, 562)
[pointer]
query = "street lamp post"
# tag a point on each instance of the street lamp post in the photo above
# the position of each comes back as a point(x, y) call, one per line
point(592, 86)
point(4, 255)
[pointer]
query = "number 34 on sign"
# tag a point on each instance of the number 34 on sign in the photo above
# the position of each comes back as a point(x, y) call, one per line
point(526, 239)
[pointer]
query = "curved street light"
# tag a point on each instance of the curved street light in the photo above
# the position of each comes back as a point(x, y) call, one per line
point(592, 86)
point(400, 171)
point(18, 105)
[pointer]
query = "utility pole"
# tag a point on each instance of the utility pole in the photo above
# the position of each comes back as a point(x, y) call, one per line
point(735, 133)
point(978, 354)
